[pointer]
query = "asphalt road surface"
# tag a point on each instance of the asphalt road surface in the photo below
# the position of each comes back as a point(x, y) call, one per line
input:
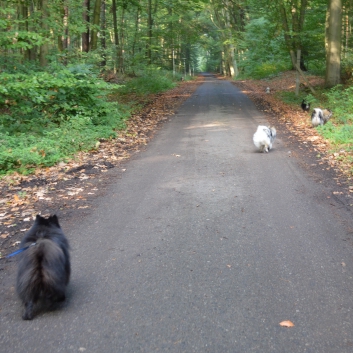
point(203, 245)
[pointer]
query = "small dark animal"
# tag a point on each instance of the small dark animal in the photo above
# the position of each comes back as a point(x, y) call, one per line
point(305, 106)
point(44, 268)
point(320, 116)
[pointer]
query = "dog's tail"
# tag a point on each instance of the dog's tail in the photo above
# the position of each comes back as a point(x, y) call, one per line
point(273, 133)
point(42, 272)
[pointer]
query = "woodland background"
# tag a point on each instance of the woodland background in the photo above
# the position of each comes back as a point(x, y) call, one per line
point(73, 71)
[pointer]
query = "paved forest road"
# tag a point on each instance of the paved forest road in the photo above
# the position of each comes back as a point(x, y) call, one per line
point(203, 245)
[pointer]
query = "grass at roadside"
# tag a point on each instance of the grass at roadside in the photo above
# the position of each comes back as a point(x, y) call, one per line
point(339, 130)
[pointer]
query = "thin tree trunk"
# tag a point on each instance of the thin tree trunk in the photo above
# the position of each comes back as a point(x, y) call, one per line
point(149, 33)
point(103, 36)
point(286, 30)
point(33, 52)
point(118, 39)
point(120, 48)
point(96, 20)
point(85, 17)
point(170, 31)
point(66, 26)
point(293, 42)
point(23, 12)
point(44, 48)
point(137, 24)
point(63, 41)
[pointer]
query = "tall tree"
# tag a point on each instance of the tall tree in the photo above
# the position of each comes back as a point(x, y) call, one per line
point(44, 48)
point(85, 18)
point(95, 24)
point(103, 35)
point(149, 32)
point(333, 42)
point(292, 15)
point(228, 16)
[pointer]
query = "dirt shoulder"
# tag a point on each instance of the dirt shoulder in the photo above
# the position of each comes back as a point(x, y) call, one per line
point(303, 141)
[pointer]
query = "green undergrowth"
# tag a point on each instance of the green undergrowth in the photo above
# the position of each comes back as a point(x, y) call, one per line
point(47, 117)
point(339, 130)
point(149, 82)
point(266, 70)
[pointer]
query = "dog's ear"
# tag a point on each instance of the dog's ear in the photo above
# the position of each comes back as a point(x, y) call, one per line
point(54, 220)
point(40, 219)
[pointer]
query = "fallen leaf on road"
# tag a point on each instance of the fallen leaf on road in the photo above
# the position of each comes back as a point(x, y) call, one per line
point(286, 323)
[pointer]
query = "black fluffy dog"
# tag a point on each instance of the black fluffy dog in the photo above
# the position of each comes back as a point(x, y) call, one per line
point(44, 268)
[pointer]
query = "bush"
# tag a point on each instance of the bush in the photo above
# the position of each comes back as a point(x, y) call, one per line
point(48, 117)
point(152, 81)
point(54, 97)
point(340, 100)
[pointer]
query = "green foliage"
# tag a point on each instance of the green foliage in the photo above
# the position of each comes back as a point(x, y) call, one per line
point(290, 98)
point(340, 100)
point(46, 117)
point(53, 96)
point(340, 135)
point(264, 52)
point(26, 150)
point(152, 81)
point(267, 69)
point(49, 116)
point(339, 130)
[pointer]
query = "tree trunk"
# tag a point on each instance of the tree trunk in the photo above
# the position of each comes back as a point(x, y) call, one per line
point(118, 38)
point(137, 25)
point(23, 13)
point(66, 26)
point(149, 32)
point(44, 48)
point(287, 37)
point(103, 36)
point(122, 40)
point(85, 17)
point(293, 42)
point(63, 41)
point(95, 23)
point(333, 43)
point(33, 52)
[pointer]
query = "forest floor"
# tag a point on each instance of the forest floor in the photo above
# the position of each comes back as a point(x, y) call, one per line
point(70, 189)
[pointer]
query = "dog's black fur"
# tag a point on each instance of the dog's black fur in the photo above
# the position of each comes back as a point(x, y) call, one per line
point(44, 268)
point(305, 106)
